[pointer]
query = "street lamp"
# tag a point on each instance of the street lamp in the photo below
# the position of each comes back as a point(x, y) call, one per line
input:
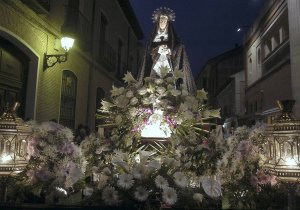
point(14, 138)
point(51, 60)
point(283, 148)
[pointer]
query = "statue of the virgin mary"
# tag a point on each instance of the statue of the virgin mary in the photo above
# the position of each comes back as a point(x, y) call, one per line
point(164, 50)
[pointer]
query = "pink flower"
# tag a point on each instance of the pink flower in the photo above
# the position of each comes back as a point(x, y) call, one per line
point(273, 180)
point(254, 181)
point(205, 142)
point(32, 149)
point(67, 148)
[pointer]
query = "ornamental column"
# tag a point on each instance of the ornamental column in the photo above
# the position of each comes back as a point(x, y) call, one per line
point(294, 29)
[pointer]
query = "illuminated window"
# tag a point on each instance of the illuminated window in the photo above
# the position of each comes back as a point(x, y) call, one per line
point(68, 99)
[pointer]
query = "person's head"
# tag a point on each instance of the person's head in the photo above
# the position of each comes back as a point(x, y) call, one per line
point(163, 21)
point(162, 16)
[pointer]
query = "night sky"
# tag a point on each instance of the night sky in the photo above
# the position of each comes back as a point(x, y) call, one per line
point(206, 27)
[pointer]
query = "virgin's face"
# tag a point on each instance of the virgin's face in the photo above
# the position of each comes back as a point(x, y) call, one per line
point(163, 22)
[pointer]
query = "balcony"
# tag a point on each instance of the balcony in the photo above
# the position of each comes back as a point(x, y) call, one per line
point(79, 26)
point(276, 58)
point(107, 56)
point(84, 30)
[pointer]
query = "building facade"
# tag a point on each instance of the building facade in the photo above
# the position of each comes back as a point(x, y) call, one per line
point(223, 78)
point(272, 60)
point(107, 45)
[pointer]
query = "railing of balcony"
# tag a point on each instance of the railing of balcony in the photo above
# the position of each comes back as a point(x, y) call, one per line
point(107, 56)
point(277, 57)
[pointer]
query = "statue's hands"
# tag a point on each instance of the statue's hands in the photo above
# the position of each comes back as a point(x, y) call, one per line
point(163, 50)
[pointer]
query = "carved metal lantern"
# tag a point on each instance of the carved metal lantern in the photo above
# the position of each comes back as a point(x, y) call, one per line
point(14, 137)
point(283, 145)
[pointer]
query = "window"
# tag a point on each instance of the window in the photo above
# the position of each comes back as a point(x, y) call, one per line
point(204, 83)
point(119, 58)
point(267, 47)
point(275, 40)
point(103, 33)
point(249, 70)
point(259, 56)
point(130, 65)
point(137, 62)
point(284, 33)
point(68, 99)
point(255, 106)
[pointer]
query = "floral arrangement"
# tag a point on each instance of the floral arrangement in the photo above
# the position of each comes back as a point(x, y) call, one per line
point(126, 171)
point(55, 164)
point(194, 168)
point(245, 179)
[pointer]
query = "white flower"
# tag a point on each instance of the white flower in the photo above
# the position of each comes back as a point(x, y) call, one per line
point(158, 81)
point(118, 119)
point(116, 91)
point(180, 179)
point(184, 93)
point(144, 155)
point(201, 94)
point(110, 196)
point(170, 87)
point(170, 80)
point(128, 78)
point(106, 171)
point(154, 164)
point(161, 182)
point(106, 105)
point(141, 193)
point(142, 91)
point(178, 74)
point(169, 195)
point(139, 171)
point(121, 101)
point(129, 94)
point(171, 162)
point(198, 197)
point(175, 92)
point(120, 163)
point(88, 191)
point(120, 154)
point(125, 181)
point(134, 101)
point(146, 101)
point(114, 137)
point(188, 115)
point(103, 179)
point(133, 110)
point(192, 102)
point(211, 187)
point(161, 90)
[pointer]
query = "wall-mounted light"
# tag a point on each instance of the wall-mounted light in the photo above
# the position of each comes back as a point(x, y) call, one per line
point(51, 60)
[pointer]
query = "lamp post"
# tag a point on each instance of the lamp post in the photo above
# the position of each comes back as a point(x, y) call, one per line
point(51, 60)
point(283, 147)
point(14, 137)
